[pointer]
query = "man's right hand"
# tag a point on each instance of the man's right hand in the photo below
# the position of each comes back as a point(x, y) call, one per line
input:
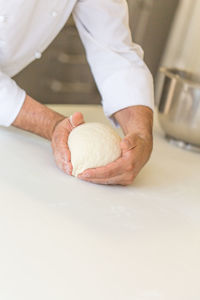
point(59, 141)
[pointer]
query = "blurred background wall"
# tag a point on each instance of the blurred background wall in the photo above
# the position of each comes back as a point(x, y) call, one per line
point(183, 46)
point(62, 74)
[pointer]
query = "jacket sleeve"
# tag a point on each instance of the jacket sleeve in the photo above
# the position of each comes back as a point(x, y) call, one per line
point(121, 75)
point(11, 99)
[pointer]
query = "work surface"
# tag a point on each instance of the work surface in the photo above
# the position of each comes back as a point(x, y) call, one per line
point(65, 239)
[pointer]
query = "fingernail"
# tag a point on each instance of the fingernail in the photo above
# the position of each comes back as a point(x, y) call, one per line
point(70, 118)
point(71, 121)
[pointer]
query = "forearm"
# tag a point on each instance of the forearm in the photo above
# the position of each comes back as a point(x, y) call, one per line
point(137, 119)
point(37, 118)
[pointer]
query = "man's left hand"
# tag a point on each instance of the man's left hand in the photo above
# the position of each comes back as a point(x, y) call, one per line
point(136, 147)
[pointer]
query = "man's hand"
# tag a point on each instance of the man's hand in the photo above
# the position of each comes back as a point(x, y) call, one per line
point(136, 122)
point(60, 141)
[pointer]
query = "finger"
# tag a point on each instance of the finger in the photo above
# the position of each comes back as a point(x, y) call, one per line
point(123, 179)
point(61, 137)
point(60, 147)
point(65, 167)
point(76, 119)
point(110, 170)
point(64, 128)
point(62, 154)
point(62, 132)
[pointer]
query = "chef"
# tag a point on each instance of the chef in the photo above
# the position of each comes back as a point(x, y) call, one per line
point(124, 81)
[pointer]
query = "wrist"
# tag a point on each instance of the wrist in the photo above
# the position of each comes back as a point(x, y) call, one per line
point(37, 118)
point(137, 119)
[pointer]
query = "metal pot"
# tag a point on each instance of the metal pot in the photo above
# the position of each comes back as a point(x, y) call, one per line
point(179, 108)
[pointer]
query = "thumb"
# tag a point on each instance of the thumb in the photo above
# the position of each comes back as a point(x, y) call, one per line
point(128, 143)
point(76, 119)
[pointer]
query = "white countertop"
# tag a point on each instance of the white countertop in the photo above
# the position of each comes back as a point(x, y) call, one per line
point(65, 239)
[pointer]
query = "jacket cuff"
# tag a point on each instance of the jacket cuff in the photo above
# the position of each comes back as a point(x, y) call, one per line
point(127, 88)
point(11, 100)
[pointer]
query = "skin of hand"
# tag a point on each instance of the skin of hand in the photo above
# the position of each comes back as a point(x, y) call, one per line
point(60, 141)
point(136, 123)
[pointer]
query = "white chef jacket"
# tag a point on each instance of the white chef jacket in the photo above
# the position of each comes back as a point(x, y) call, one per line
point(27, 27)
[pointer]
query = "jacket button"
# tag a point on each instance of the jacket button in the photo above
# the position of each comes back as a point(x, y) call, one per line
point(54, 13)
point(2, 18)
point(38, 54)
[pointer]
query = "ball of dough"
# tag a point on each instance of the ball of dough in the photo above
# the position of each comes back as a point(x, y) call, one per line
point(93, 145)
